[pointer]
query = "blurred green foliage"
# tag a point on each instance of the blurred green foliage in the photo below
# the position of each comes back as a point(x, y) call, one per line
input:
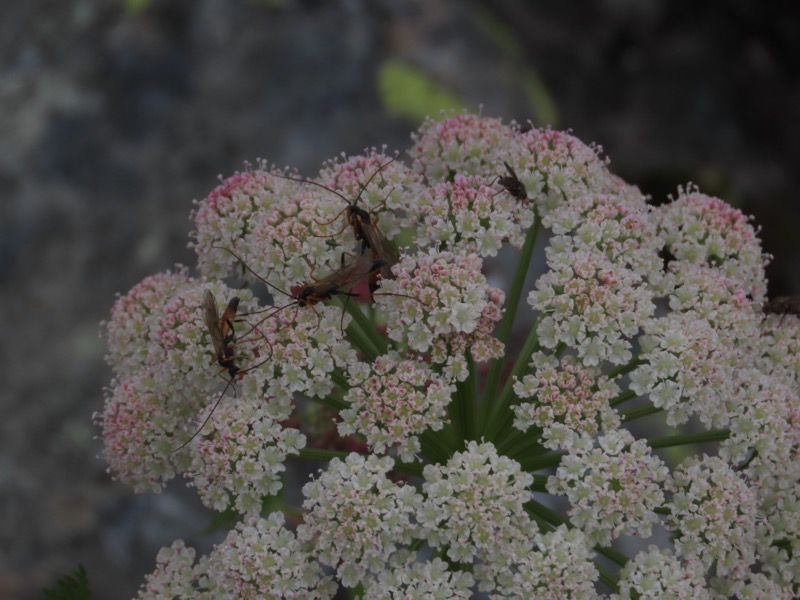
point(74, 586)
point(136, 6)
point(407, 91)
point(542, 103)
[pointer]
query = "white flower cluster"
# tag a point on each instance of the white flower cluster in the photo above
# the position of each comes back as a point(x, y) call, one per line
point(356, 518)
point(456, 469)
point(259, 558)
point(401, 399)
point(712, 514)
point(474, 504)
point(613, 484)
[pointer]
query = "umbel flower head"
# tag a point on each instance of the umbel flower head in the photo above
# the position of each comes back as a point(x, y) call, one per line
point(623, 424)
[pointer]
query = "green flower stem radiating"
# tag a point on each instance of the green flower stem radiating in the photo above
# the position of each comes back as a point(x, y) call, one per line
point(622, 398)
point(321, 454)
point(624, 369)
point(612, 554)
point(520, 444)
point(542, 514)
point(340, 380)
point(641, 411)
point(668, 441)
point(463, 407)
point(434, 447)
point(539, 483)
point(502, 416)
point(363, 334)
point(607, 578)
point(543, 461)
point(507, 322)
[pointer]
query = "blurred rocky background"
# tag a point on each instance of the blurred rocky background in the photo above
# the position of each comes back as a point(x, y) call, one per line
point(115, 115)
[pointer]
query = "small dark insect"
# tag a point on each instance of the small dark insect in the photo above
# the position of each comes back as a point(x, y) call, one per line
point(783, 305)
point(365, 228)
point(512, 184)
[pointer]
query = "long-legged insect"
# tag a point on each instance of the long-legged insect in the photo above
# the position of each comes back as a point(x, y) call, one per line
point(223, 336)
point(222, 331)
point(337, 283)
point(512, 184)
point(365, 228)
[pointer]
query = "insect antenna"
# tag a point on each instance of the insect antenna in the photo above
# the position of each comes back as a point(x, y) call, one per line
point(223, 335)
point(356, 217)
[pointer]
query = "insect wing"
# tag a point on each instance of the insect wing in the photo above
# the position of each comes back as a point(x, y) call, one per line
point(213, 324)
point(512, 183)
point(227, 319)
point(348, 275)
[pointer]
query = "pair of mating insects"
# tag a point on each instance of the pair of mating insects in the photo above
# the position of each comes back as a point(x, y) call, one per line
point(382, 255)
point(374, 260)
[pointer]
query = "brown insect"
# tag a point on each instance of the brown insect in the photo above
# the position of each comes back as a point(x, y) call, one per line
point(512, 184)
point(365, 228)
point(223, 336)
point(337, 283)
point(222, 331)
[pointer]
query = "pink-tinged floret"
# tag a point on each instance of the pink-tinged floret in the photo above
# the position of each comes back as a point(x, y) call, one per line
point(442, 304)
point(401, 399)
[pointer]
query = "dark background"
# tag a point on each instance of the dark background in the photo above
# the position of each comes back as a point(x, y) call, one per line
point(113, 119)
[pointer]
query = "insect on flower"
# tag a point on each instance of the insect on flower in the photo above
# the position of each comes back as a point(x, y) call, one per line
point(222, 331)
point(365, 228)
point(512, 184)
point(223, 335)
point(337, 283)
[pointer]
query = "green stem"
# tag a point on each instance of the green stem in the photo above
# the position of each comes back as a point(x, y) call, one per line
point(340, 380)
point(607, 578)
point(668, 441)
point(612, 554)
point(433, 447)
point(501, 413)
point(414, 468)
point(539, 483)
point(543, 514)
point(621, 398)
point(519, 444)
point(642, 411)
point(507, 322)
point(321, 454)
point(363, 334)
point(544, 461)
point(462, 413)
point(624, 369)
